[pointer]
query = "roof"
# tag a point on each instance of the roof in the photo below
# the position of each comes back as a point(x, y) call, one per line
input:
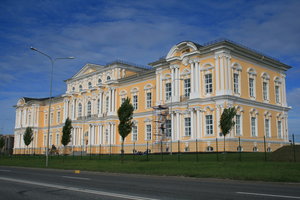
point(236, 47)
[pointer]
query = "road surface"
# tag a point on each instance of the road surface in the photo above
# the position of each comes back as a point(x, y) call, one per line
point(49, 184)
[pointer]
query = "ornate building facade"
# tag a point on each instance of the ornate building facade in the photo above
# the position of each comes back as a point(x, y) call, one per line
point(178, 102)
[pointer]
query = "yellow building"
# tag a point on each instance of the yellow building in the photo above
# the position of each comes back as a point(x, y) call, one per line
point(178, 103)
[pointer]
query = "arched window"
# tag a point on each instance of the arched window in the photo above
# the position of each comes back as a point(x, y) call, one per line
point(79, 110)
point(90, 85)
point(209, 149)
point(108, 78)
point(89, 109)
point(73, 89)
point(80, 88)
point(99, 81)
point(255, 149)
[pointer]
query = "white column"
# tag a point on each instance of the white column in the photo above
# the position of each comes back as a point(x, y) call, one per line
point(172, 127)
point(113, 100)
point(109, 104)
point(192, 124)
point(73, 109)
point(199, 124)
point(100, 134)
point(161, 88)
point(64, 113)
point(198, 78)
point(89, 137)
point(101, 101)
point(177, 126)
point(172, 82)
point(216, 121)
point(283, 96)
point(192, 79)
point(157, 87)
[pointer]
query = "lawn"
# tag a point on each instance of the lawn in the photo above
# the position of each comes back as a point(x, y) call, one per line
point(248, 166)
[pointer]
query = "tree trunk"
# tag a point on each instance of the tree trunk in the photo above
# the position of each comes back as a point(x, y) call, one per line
point(224, 144)
point(122, 150)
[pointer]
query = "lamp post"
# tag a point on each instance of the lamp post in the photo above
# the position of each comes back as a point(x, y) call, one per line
point(52, 60)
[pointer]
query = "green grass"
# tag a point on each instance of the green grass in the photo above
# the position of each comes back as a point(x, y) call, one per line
point(251, 167)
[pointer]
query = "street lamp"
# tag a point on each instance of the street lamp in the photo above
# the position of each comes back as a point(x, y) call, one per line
point(52, 60)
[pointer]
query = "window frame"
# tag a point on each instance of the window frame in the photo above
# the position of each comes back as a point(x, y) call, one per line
point(208, 83)
point(187, 127)
point(209, 127)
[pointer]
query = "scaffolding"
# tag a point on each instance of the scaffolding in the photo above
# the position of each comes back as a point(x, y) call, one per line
point(160, 114)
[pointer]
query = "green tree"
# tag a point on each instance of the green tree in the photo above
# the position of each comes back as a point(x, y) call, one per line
point(2, 143)
point(28, 136)
point(125, 113)
point(227, 122)
point(66, 132)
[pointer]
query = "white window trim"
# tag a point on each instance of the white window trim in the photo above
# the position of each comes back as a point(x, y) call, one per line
point(146, 138)
point(137, 130)
point(241, 125)
point(206, 124)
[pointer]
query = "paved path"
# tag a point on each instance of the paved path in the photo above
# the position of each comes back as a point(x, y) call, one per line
point(47, 184)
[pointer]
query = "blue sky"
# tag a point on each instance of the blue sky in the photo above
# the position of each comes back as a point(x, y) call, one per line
point(136, 31)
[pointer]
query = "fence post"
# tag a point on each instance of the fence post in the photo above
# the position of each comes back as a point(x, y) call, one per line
point(265, 148)
point(133, 151)
point(147, 152)
point(197, 150)
point(240, 149)
point(99, 151)
point(178, 157)
point(161, 150)
point(294, 149)
point(90, 150)
point(217, 149)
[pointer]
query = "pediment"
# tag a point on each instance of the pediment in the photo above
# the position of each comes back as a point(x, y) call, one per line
point(88, 69)
point(182, 48)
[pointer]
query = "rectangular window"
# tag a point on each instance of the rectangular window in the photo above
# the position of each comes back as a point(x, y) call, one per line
point(168, 128)
point(277, 97)
point(236, 83)
point(209, 124)
point(51, 118)
point(251, 87)
point(58, 117)
point(149, 99)
point(135, 102)
point(134, 133)
point(148, 131)
point(187, 87)
point(279, 129)
point(265, 91)
point(238, 124)
point(253, 126)
point(208, 84)
point(168, 91)
point(45, 140)
point(267, 127)
point(187, 126)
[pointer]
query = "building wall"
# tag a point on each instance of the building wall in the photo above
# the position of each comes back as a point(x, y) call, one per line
point(96, 128)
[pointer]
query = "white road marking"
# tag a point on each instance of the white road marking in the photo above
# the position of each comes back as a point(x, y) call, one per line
point(124, 196)
point(5, 170)
point(269, 195)
point(73, 177)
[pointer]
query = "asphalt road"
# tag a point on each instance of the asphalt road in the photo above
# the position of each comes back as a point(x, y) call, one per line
point(47, 184)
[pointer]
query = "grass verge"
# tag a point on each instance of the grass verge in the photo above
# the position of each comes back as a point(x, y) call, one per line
point(250, 168)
